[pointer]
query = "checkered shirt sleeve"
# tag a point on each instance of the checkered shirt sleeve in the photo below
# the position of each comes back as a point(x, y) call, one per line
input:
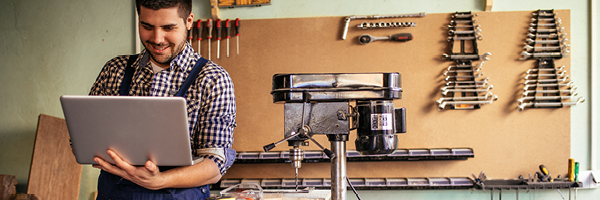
point(210, 99)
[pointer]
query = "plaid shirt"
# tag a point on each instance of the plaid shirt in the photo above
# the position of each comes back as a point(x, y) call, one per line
point(210, 99)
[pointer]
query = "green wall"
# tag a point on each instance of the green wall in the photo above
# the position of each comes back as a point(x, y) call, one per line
point(51, 48)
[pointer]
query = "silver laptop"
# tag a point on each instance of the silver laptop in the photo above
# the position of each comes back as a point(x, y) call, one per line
point(137, 128)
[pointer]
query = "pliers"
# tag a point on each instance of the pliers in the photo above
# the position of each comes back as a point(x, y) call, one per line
point(479, 180)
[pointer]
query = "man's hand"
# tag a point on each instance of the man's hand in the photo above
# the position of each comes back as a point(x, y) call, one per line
point(147, 176)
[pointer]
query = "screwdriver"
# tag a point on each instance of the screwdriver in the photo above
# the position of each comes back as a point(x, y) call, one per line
point(237, 34)
point(209, 36)
point(546, 172)
point(218, 39)
point(399, 37)
point(227, 33)
point(199, 34)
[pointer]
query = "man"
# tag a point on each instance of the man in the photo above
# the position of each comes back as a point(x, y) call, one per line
point(161, 70)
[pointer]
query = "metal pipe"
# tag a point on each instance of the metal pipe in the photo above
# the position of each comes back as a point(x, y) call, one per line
point(593, 74)
point(338, 170)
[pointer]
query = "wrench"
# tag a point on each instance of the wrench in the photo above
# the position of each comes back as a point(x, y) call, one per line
point(548, 80)
point(478, 37)
point(548, 24)
point(464, 15)
point(463, 66)
point(450, 26)
point(533, 30)
point(570, 92)
point(462, 86)
point(454, 22)
point(552, 35)
point(526, 55)
point(445, 91)
point(543, 14)
point(569, 84)
point(485, 81)
point(487, 96)
point(461, 71)
point(534, 98)
point(347, 19)
point(546, 75)
point(456, 77)
point(562, 49)
point(534, 42)
point(467, 57)
point(558, 104)
point(545, 69)
point(556, 19)
point(442, 105)
point(400, 37)
point(454, 32)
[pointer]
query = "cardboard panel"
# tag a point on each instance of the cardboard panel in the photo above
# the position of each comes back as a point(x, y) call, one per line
point(54, 172)
point(506, 143)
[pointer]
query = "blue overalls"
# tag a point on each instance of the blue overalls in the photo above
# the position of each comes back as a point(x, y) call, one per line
point(116, 188)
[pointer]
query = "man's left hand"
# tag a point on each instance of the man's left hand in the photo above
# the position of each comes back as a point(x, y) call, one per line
point(147, 176)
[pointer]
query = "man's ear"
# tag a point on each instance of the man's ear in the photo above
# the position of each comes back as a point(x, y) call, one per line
point(189, 21)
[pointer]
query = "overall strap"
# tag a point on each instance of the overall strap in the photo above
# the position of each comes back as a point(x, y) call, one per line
point(129, 71)
point(192, 77)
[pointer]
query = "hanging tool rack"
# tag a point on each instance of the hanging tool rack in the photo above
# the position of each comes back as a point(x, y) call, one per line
point(399, 183)
point(354, 156)
point(465, 87)
point(546, 86)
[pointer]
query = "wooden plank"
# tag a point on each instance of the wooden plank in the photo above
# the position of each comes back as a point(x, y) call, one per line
point(488, 5)
point(54, 172)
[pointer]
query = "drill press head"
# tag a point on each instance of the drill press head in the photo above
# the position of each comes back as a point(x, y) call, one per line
point(322, 104)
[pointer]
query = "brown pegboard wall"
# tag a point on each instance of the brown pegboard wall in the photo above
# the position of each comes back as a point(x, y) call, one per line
point(506, 143)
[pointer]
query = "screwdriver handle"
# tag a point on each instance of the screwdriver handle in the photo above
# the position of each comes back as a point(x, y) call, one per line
point(227, 29)
point(544, 170)
point(237, 26)
point(401, 37)
point(218, 24)
point(199, 30)
point(209, 28)
point(190, 36)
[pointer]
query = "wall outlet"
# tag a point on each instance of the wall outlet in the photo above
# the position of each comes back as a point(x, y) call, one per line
point(590, 179)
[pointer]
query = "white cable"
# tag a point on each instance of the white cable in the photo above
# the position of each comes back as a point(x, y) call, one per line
point(593, 74)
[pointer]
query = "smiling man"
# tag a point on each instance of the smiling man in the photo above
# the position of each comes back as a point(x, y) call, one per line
point(161, 70)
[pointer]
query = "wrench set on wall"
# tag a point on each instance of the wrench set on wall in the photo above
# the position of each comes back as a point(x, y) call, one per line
point(546, 86)
point(465, 87)
point(366, 38)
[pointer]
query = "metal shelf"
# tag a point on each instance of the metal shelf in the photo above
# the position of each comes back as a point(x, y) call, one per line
point(358, 183)
point(354, 156)
point(523, 184)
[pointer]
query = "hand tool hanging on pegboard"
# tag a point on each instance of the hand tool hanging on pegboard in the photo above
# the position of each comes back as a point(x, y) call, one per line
point(380, 24)
point(465, 87)
point(546, 86)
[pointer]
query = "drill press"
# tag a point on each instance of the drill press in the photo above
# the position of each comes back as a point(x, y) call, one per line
point(334, 104)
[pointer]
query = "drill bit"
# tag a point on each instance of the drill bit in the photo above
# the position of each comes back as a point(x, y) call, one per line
point(296, 182)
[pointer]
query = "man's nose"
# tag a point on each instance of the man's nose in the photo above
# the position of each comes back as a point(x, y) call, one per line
point(158, 36)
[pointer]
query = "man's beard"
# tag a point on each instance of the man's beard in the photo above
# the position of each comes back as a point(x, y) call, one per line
point(163, 58)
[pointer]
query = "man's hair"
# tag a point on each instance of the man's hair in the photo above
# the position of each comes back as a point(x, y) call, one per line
point(184, 6)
